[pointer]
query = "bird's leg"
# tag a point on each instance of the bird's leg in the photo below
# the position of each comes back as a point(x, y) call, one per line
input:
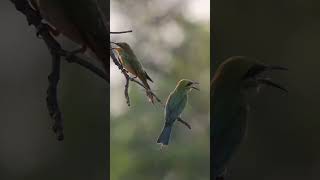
point(184, 122)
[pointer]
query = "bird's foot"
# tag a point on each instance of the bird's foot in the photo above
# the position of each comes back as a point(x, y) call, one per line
point(150, 95)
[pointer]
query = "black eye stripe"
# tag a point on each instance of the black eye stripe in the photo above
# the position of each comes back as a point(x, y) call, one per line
point(189, 84)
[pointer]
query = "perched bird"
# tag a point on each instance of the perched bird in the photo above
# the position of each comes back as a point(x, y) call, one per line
point(175, 104)
point(234, 80)
point(81, 21)
point(131, 63)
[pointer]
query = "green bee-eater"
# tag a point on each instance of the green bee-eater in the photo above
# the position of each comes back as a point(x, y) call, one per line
point(131, 63)
point(81, 21)
point(175, 104)
point(230, 88)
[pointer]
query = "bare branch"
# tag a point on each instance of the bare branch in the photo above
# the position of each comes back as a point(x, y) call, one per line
point(184, 122)
point(121, 32)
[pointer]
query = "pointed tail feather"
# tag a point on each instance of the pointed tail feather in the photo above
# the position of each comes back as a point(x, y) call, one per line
point(165, 135)
point(148, 77)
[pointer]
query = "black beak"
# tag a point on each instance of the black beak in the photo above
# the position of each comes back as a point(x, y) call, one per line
point(258, 69)
point(268, 82)
point(270, 68)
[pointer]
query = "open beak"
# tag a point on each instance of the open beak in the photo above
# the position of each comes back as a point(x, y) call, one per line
point(268, 82)
point(194, 86)
point(270, 68)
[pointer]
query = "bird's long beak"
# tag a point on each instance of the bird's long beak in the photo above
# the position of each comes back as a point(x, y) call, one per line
point(272, 67)
point(194, 85)
point(268, 82)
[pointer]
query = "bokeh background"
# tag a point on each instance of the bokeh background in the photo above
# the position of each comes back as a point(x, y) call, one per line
point(172, 40)
point(28, 147)
point(283, 134)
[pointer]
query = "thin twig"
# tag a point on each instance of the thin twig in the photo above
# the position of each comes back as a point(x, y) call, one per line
point(121, 32)
point(184, 122)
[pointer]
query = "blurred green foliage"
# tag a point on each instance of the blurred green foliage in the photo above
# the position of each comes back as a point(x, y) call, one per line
point(170, 47)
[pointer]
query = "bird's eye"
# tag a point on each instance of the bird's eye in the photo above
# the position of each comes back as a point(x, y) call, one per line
point(189, 84)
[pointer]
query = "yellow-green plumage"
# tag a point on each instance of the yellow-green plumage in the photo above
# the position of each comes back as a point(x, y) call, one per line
point(131, 63)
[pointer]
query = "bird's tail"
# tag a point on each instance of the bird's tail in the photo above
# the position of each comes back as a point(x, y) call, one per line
point(165, 135)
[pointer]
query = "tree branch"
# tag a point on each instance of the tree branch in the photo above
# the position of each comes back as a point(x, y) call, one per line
point(121, 32)
point(43, 30)
point(184, 122)
point(52, 99)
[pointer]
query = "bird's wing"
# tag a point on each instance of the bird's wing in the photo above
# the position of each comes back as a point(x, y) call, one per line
point(228, 132)
point(174, 106)
point(126, 61)
point(135, 63)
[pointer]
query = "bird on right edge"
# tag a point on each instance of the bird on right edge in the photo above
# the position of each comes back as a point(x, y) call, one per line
point(235, 79)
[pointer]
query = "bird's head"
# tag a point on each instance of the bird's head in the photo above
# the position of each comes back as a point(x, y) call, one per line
point(124, 48)
point(187, 85)
point(123, 45)
point(242, 73)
